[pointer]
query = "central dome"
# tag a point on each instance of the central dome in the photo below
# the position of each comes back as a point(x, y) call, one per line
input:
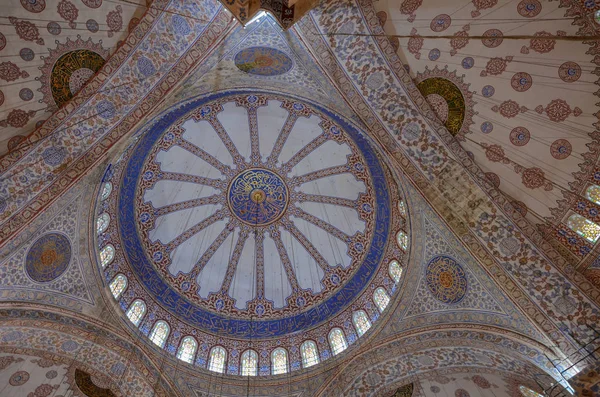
point(248, 216)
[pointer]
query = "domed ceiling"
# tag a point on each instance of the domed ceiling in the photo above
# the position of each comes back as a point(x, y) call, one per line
point(49, 50)
point(245, 217)
point(515, 83)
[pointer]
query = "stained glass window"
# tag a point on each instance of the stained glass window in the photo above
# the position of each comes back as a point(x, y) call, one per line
point(584, 227)
point(337, 340)
point(279, 361)
point(381, 298)
point(187, 349)
point(107, 254)
point(106, 189)
point(216, 361)
point(249, 363)
point(593, 193)
point(310, 354)
point(136, 311)
point(597, 16)
point(118, 285)
point(402, 207)
point(159, 333)
point(395, 271)
point(361, 322)
point(102, 222)
point(402, 239)
point(527, 392)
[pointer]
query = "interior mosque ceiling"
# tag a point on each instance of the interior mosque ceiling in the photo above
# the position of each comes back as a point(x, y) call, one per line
point(349, 198)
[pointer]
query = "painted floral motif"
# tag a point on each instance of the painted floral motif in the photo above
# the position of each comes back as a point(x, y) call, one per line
point(543, 42)
point(519, 136)
point(408, 7)
point(558, 110)
point(569, 72)
point(92, 3)
point(440, 23)
point(482, 5)
point(69, 12)
point(521, 82)
point(460, 40)
point(26, 30)
point(415, 43)
point(534, 178)
point(496, 66)
point(561, 149)
point(17, 118)
point(509, 108)
point(2, 41)
point(19, 378)
point(114, 21)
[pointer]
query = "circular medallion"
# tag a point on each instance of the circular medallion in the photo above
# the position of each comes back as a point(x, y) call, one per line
point(521, 82)
point(263, 61)
point(561, 149)
point(519, 136)
point(53, 28)
point(19, 378)
point(434, 54)
point(92, 25)
point(488, 91)
point(257, 197)
point(440, 23)
point(26, 94)
point(92, 3)
point(529, 8)
point(26, 54)
point(468, 62)
point(2, 41)
point(446, 280)
point(486, 127)
point(71, 71)
point(1, 98)
point(48, 257)
point(569, 72)
point(34, 6)
point(494, 38)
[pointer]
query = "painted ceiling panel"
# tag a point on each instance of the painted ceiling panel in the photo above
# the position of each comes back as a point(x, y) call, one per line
point(526, 91)
point(49, 50)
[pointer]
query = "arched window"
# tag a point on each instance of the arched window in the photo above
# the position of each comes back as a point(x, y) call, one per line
point(310, 354)
point(584, 227)
point(337, 341)
point(402, 207)
point(381, 298)
point(106, 189)
point(279, 361)
point(249, 363)
point(187, 349)
point(361, 322)
point(102, 222)
point(527, 392)
point(402, 239)
point(136, 311)
point(107, 254)
point(593, 193)
point(395, 271)
point(159, 333)
point(118, 285)
point(216, 360)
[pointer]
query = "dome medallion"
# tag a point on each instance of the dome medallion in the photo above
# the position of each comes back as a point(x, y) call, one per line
point(246, 217)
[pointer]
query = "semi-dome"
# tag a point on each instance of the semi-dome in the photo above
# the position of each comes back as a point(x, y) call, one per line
point(251, 220)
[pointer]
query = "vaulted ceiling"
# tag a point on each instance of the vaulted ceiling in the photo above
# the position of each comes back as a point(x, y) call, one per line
point(179, 165)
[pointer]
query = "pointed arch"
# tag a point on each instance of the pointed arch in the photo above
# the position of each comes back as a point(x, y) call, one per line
point(592, 193)
point(584, 227)
point(187, 349)
point(395, 271)
point(217, 359)
point(279, 361)
point(118, 285)
point(309, 353)
point(381, 299)
point(361, 322)
point(402, 239)
point(136, 312)
point(337, 341)
point(107, 254)
point(249, 363)
point(160, 333)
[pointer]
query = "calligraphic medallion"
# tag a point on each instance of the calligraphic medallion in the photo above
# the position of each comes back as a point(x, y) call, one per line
point(257, 197)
